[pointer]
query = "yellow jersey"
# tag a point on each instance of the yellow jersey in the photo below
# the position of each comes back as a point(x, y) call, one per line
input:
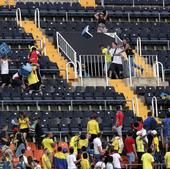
point(46, 162)
point(167, 159)
point(23, 123)
point(82, 143)
point(147, 160)
point(156, 143)
point(74, 143)
point(139, 144)
point(92, 127)
point(115, 144)
point(84, 163)
point(32, 77)
point(107, 54)
point(48, 143)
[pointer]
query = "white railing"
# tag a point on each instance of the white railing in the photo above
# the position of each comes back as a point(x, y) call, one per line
point(18, 17)
point(37, 17)
point(155, 107)
point(94, 66)
point(157, 67)
point(116, 37)
point(135, 105)
point(66, 48)
point(67, 70)
point(139, 46)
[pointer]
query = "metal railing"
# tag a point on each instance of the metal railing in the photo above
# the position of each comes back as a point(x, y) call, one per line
point(135, 105)
point(66, 48)
point(116, 37)
point(18, 17)
point(37, 17)
point(154, 107)
point(67, 70)
point(157, 67)
point(94, 66)
point(139, 46)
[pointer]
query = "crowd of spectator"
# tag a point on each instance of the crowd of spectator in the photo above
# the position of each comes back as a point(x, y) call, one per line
point(143, 146)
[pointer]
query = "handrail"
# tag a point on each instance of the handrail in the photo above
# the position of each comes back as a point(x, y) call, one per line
point(106, 73)
point(65, 48)
point(135, 105)
point(80, 73)
point(157, 64)
point(18, 17)
point(67, 70)
point(139, 46)
point(130, 72)
point(37, 17)
point(154, 106)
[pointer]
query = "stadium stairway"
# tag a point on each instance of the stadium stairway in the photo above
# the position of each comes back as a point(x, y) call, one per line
point(88, 3)
point(121, 86)
point(51, 51)
point(7, 2)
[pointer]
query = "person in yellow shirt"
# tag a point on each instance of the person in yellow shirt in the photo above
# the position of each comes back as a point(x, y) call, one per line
point(167, 159)
point(147, 160)
point(92, 128)
point(46, 160)
point(48, 142)
point(74, 142)
point(83, 141)
point(139, 146)
point(84, 163)
point(105, 52)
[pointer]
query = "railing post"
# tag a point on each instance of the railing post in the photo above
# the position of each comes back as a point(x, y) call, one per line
point(157, 64)
point(130, 71)
point(163, 3)
point(102, 3)
point(80, 73)
point(139, 46)
point(37, 17)
point(67, 70)
point(155, 106)
point(106, 73)
point(57, 41)
point(133, 3)
point(18, 17)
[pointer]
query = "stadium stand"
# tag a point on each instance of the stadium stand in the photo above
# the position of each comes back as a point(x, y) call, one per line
point(67, 102)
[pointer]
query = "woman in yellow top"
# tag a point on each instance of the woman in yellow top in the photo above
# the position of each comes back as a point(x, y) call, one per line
point(46, 160)
point(84, 163)
point(82, 142)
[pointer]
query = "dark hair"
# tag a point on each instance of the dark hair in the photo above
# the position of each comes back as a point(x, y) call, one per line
point(136, 124)
point(130, 133)
point(85, 156)
point(117, 108)
point(34, 48)
point(7, 143)
point(149, 150)
point(149, 113)
point(83, 136)
point(71, 150)
point(23, 151)
point(101, 46)
point(59, 149)
point(99, 135)
point(93, 116)
point(30, 160)
point(83, 148)
point(110, 159)
point(20, 157)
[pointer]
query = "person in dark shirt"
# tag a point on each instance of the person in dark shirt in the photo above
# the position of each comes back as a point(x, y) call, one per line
point(101, 18)
point(4, 138)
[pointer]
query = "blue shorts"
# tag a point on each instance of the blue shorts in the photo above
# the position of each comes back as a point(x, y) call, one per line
point(131, 157)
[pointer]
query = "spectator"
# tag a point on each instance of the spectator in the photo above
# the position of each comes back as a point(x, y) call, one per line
point(116, 66)
point(116, 158)
point(39, 133)
point(83, 141)
point(105, 52)
point(21, 164)
point(109, 164)
point(48, 142)
point(84, 163)
point(4, 71)
point(33, 55)
point(46, 159)
point(167, 159)
point(4, 138)
point(98, 151)
point(71, 159)
point(33, 80)
point(92, 128)
point(30, 164)
point(166, 130)
point(129, 52)
point(74, 142)
point(100, 164)
point(130, 148)
point(119, 121)
point(140, 146)
point(147, 160)
point(150, 124)
point(60, 161)
point(101, 18)
point(17, 80)
point(155, 146)
point(24, 125)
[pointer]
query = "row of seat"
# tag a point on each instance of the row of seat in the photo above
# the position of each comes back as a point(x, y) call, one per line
point(70, 120)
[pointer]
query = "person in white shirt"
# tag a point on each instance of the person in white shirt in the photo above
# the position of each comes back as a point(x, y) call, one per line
point(100, 164)
point(116, 159)
point(117, 62)
point(109, 164)
point(98, 151)
point(4, 61)
point(71, 159)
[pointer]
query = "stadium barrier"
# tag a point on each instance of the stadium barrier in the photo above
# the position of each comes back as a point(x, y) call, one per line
point(37, 17)
point(155, 107)
point(18, 17)
point(159, 68)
